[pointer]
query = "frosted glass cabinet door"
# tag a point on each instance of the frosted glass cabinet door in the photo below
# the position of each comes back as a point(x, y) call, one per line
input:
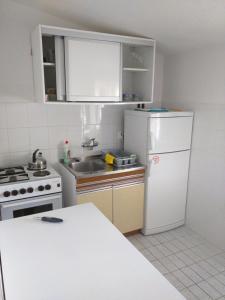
point(92, 70)
point(102, 199)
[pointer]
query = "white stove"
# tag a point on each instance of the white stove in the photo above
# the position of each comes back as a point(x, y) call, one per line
point(24, 192)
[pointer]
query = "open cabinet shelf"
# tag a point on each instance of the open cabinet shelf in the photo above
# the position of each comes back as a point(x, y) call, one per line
point(49, 64)
point(135, 69)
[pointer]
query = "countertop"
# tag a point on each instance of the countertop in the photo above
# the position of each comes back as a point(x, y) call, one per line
point(83, 258)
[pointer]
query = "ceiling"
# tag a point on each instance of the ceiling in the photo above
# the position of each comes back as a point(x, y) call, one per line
point(177, 25)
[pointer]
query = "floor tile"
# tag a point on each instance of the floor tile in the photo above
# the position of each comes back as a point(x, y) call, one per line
point(217, 285)
point(188, 294)
point(147, 254)
point(168, 264)
point(192, 255)
point(211, 291)
point(155, 252)
point(163, 249)
point(209, 268)
point(192, 265)
point(200, 271)
point(137, 244)
point(170, 245)
point(186, 259)
point(217, 265)
point(177, 261)
point(179, 245)
point(174, 281)
point(152, 240)
point(141, 239)
point(192, 274)
point(160, 267)
point(183, 278)
point(198, 292)
point(221, 277)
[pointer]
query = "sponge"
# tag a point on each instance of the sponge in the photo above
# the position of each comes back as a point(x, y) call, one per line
point(109, 158)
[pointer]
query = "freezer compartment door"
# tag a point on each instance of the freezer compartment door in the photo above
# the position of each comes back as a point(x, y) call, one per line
point(166, 189)
point(169, 134)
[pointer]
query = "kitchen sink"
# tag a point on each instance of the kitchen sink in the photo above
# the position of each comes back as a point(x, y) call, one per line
point(89, 166)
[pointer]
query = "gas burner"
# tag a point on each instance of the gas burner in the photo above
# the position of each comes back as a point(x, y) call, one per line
point(14, 178)
point(41, 173)
point(11, 171)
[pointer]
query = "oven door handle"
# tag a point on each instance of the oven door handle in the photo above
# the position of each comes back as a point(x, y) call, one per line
point(29, 202)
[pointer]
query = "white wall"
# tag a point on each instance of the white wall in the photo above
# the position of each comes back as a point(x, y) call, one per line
point(16, 23)
point(159, 75)
point(196, 80)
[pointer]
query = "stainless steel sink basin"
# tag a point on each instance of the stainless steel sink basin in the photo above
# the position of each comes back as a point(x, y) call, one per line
point(89, 166)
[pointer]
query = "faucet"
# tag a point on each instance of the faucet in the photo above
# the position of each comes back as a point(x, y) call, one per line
point(90, 144)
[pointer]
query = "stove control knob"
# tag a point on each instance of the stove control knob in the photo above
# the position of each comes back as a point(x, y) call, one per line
point(14, 192)
point(41, 188)
point(23, 191)
point(30, 190)
point(48, 187)
point(6, 194)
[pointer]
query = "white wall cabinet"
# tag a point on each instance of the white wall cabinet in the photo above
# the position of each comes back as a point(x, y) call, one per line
point(123, 205)
point(73, 66)
point(92, 70)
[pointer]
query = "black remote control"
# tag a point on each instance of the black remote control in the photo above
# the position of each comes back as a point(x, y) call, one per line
point(51, 220)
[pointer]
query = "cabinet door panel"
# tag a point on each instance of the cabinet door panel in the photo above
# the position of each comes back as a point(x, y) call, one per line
point(93, 70)
point(102, 199)
point(128, 205)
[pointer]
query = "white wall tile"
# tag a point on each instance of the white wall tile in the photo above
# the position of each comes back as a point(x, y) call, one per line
point(37, 115)
point(4, 144)
point(57, 136)
point(35, 125)
point(195, 81)
point(93, 131)
point(92, 114)
point(5, 160)
point(64, 115)
point(18, 139)
point(75, 135)
point(20, 158)
point(17, 115)
point(3, 117)
point(38, 138)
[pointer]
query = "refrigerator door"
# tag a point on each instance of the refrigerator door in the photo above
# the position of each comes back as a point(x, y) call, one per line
point(166, 189)
point(169, 134)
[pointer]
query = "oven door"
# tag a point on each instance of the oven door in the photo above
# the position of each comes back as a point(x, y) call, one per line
point(25, 207)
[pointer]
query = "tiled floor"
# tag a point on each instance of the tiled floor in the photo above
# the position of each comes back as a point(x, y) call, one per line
point(194, 266)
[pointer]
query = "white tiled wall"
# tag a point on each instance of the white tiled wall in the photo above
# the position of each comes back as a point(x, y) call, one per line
point(26, 127)
point(196, 81)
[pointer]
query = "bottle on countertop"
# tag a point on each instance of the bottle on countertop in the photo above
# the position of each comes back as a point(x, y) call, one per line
point(66, 156)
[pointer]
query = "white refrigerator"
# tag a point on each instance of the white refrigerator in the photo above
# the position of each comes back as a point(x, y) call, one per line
point(162, 142)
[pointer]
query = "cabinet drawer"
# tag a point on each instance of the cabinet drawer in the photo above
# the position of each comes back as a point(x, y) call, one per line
point(102, 199)
point(128, 207)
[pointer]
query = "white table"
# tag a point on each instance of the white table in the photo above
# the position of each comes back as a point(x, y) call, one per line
point(83, 258)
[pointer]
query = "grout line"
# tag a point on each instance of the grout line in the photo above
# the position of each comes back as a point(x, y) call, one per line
point(202, 242)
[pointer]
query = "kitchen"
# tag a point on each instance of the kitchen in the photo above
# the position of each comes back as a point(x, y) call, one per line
point(188, 76)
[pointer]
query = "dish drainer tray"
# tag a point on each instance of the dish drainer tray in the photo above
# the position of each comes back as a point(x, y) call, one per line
point(122, 158)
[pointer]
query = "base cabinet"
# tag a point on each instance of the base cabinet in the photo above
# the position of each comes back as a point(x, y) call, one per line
point(128, 207)
point(122, 205)
point(102, 199)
